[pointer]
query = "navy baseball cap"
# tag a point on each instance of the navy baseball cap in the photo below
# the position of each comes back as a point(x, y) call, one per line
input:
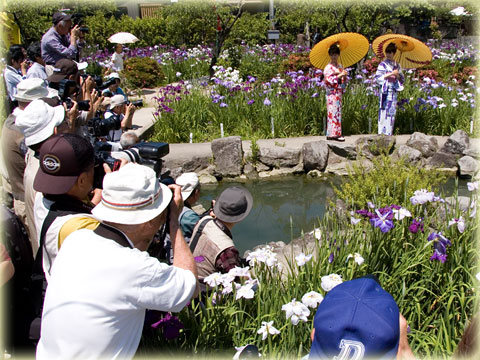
point(357, 319)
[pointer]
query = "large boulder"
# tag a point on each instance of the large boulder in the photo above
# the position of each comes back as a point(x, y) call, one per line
point(442, 160)
point(228, 155)
point(343, 150)
point(195, 164)
point(427, 145)
point(407, 152)
point(279, 157)
point(281, 172)
point(315, 155)
point(457, 143)
point(375, 145)
point(467, 166)
point(473, 152)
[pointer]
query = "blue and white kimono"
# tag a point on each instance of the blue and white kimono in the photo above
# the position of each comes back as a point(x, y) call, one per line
point(388, 95)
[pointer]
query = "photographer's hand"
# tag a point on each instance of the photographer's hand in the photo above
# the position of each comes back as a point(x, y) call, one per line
point(107, 169)
point(74, 35)
point(182, 256)
point(71, 117)
point(24, 67)
point(89, 85)
point(127, 120)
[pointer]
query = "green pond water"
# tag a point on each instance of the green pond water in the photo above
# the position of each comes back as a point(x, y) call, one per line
point(282, 208)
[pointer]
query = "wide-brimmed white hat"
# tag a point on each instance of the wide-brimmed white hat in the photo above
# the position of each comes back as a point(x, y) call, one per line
point(38, 121)
point(31, 89)
point(132, 195)
point(81, 65)
point(188, 182)
point(113, 75)
point(116, 100)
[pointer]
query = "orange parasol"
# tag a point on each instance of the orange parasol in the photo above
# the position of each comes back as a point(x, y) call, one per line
point(411, 53)
point(353, 47)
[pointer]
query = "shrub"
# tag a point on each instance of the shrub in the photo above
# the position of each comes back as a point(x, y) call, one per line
point(143, 72)
point(296, 62)
point(385, 183)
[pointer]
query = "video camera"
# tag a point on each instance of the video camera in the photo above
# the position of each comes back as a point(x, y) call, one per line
point(99, 126)
point(145, 153)
point(136, 103)
point(77, 19)
point(99, 83)
point(64, 93)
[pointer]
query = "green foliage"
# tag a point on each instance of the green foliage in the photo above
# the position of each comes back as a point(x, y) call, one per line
point(254, 66)
point(143, 72)
point(250, 29)
point(386, 182)
point(35, 17)
point(436, 299)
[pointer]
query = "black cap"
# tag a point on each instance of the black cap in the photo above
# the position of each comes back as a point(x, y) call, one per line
point(63, 158)
point(233, 204)
point(59, 16)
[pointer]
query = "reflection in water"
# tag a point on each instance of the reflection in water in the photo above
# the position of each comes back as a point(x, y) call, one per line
point(282, 208)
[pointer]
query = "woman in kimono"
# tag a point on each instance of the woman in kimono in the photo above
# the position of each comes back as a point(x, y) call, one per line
point(335, 81)
point(390, 79)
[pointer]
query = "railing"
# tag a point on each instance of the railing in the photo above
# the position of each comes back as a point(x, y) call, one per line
point(148, 10)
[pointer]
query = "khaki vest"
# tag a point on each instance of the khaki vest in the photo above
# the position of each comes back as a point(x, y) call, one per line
point(211, 243)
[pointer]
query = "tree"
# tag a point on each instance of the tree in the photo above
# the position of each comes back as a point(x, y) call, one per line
point(226, 19)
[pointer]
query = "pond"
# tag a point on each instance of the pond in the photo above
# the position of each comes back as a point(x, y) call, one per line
point(284, 207)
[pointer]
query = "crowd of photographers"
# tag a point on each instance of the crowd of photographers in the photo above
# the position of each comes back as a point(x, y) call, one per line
point(71, 169)
point(90, 218)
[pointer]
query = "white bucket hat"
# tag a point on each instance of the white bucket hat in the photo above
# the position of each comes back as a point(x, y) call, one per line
point(132, 195)
point(116, 100)
point(113, 75)
point(38, 121)
point(81, 65)
point(188, 182)
point(31, 89)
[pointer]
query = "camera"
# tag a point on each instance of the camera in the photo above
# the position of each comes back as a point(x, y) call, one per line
point(77, 19)
point(99, 83)
point(108, 83)
point(64, 88)
point(136, 103)
point(145, 153)
point(99, 126)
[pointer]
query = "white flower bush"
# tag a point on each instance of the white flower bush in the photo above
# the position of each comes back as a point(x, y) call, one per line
point(266, 329)
point(330, 281)
point(263, 255)
point(312, 299)
point(296, 311)
point(357, 258)
point(302, 259)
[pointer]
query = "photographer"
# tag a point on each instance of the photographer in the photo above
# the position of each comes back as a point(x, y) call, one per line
point(15, 71)
point(114, 88)
point(37, 70)
point(123, 112)
point(65, 80)
point(61, 41)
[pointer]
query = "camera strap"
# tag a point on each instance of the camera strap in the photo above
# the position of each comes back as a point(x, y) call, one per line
point(194, 241)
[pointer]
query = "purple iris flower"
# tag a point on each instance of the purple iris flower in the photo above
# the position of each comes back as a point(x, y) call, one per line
point(364, 107)
point(439, 257)
point(440, 242)
point(171, 326)
point(382, 221)
point(267, 102)
point(222, 105)
point(250, 102)
point(330, 258)
point(416, 226)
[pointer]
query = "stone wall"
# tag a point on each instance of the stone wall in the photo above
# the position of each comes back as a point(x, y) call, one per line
point(457, 154)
